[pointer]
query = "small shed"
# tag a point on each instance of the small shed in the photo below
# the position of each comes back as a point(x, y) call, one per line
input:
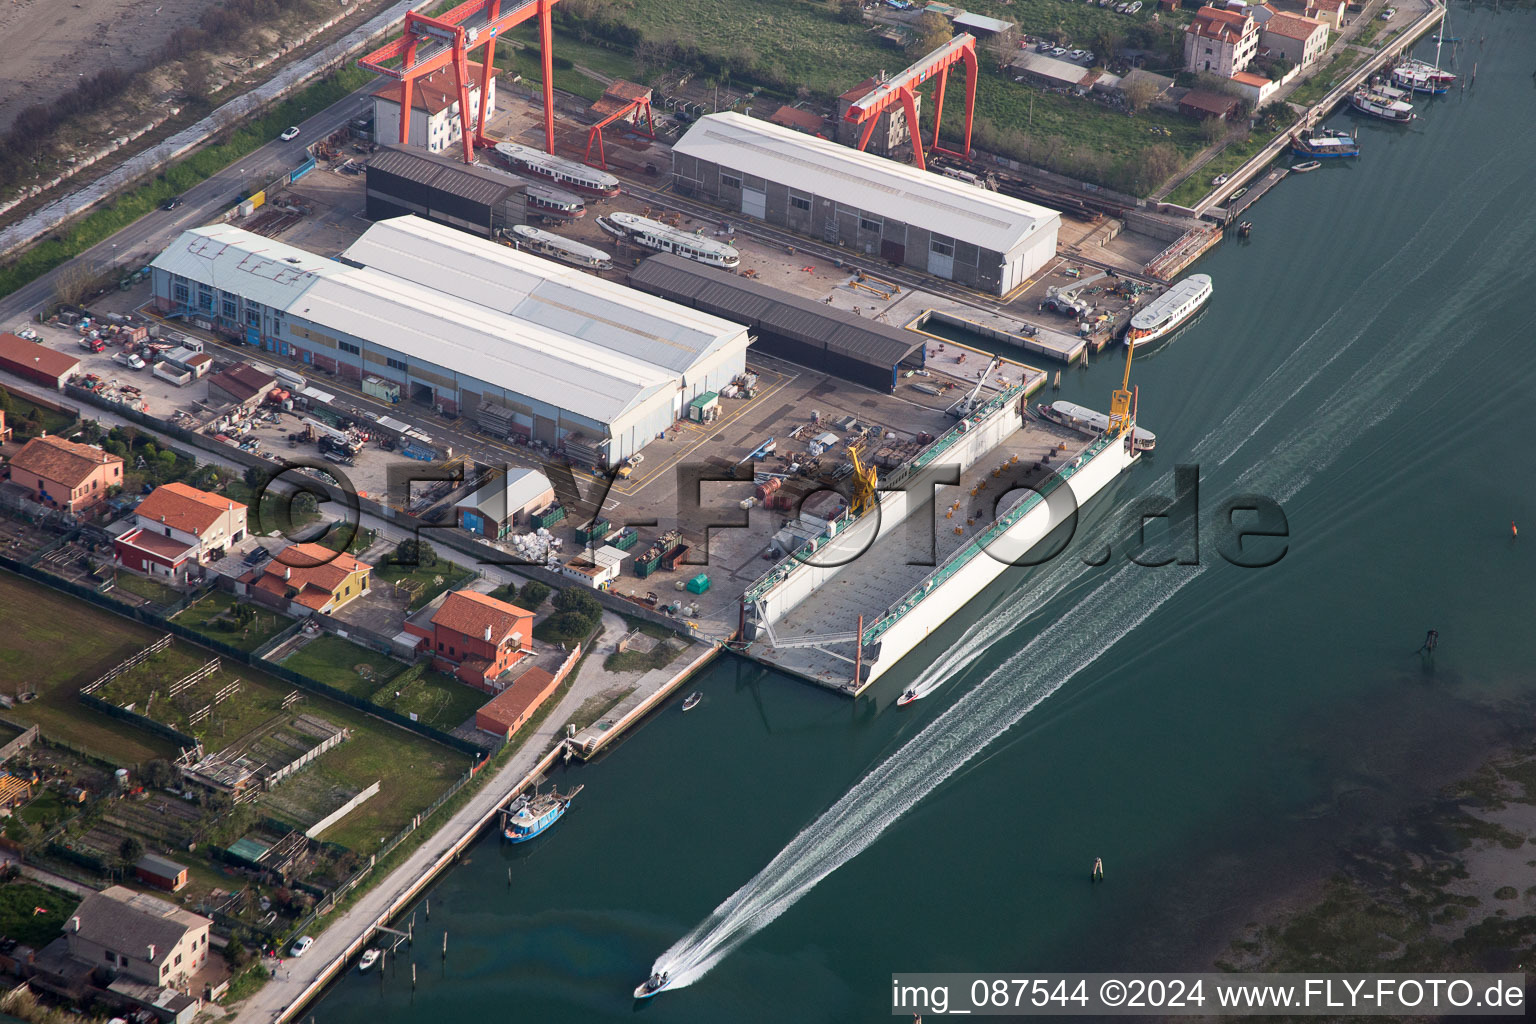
point(36, 362)
point(1202, 104)
point(704, 408)
point(496, 508)
point(153, 869)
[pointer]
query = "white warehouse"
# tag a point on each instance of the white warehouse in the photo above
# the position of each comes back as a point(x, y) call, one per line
point(879, 207)
point(531, 349)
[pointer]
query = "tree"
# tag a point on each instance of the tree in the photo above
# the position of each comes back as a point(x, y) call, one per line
point(532, 595)
point(1141, 92)
point(850, 11)
point(929, 32)
point(255, 477)
point(415, 552)
point(74, 282)
point(581, 602)
point(1213, 129)
point(159, 774)
point(5, 401)
point(235, 953)
point(130, 851)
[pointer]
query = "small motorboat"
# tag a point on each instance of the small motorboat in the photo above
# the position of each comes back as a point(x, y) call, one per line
point(907, 698)
point(1310, 165)
point(653, 985)
point(370, 957)
point(1238, 194)
point(693, 700)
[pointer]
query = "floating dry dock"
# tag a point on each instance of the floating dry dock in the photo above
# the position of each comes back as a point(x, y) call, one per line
point(848, 603)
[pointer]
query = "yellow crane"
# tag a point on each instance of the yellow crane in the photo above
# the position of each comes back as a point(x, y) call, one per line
point(864, 482)
point(1120, 407)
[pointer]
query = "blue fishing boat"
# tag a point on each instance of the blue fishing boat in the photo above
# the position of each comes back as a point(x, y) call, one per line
point(530, 816)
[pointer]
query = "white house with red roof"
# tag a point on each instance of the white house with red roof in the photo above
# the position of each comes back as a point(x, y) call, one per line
point(1220, 42)
point(177, 527)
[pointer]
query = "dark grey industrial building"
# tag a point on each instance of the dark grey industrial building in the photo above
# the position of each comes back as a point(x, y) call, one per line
point(789, 326)
point(474, 199)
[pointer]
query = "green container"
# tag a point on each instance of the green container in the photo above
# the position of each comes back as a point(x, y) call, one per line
point(698, 584)
point(587, 534)
point(624, 539)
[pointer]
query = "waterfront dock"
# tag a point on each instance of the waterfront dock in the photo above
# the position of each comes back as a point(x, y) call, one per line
point(629, 710)
point(1235, 208)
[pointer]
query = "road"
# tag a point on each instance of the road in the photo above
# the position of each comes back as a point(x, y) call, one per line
point(202, 203)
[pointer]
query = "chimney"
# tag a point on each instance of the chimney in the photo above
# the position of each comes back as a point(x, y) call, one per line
point(150, 956)
point(287, 571)
point(487, 632)
point(74, 922)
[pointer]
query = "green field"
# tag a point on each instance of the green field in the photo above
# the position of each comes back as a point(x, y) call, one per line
point(41, 625)
point(42, 622)
point(1326, 77)
point(1197, 185)
point(151, 590)
point(209, 616)
point(438, 700)
point(28, 419)
point(19, 919)
point(336, 662)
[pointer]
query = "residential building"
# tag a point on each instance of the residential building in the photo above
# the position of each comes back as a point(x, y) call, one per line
point(930, 222)
point(1254, 88)
point(891, 129)
point(1299, 40)
point(435, 122)
point(800, 120)
point(510, 709)
point(36, 362)
point(64, 474)
point(177, 527)
point(497, 507)
point(304, 578)
point(1329, 12)
point(140, 936)
point(478, 638)
point(1220, 42)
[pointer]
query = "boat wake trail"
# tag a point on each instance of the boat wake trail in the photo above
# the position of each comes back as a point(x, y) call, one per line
point(1039, 669)
point(1100, 613)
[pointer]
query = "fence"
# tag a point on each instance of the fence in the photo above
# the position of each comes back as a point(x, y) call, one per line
point(18, 744)
point(106, 707)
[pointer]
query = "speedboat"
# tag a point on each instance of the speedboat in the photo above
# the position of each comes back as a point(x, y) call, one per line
point(693, 700)
point(653, 985)
point(907, 698)
point(370, 957)
point(1310, 165)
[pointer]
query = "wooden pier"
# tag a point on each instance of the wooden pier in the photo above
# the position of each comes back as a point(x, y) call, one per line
point(1193, 244)
point(1236, 208)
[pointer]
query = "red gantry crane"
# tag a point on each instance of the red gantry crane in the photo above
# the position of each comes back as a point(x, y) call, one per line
point(899, 89)
point(431, 44)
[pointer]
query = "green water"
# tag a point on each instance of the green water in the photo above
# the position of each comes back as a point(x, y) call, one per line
point(1365, 362)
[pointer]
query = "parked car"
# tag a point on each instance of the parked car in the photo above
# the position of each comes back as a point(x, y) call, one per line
point(1089, 57)
point(289, 135)
point(256, 555)
point(1388, 13)
point(1079, 54)
point(300, 947)
point(1059, 51)
point(1220, 179)
point(1134, 7)
point(1044, 47)
point(132, 360)
point(171, 203)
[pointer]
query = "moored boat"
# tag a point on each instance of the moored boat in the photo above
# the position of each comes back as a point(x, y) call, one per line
point(693, 700)
point(1384, 102)
point(1169, 311)
point(532, 815)
point(1091, 422)
point(653, 234)
point(1324, 144)
point(547, 243)
point(1417, 76)
point(563, 172)
point(370, 957)
point(1310, 165)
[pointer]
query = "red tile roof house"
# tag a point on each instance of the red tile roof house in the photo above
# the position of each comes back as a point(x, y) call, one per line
point(304, 578)
point(477, 638)
point(177, 527)
point(66, 475)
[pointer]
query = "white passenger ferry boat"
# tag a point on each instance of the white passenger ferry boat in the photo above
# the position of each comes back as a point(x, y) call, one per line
point(1169, 311)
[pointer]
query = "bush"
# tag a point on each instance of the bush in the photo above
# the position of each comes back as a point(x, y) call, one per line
point(564, 626)
point(579, 601)
point(532, 595)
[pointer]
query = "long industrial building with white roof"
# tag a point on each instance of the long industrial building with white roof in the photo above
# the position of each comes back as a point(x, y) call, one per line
point(934, 223)
point(524, 345)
